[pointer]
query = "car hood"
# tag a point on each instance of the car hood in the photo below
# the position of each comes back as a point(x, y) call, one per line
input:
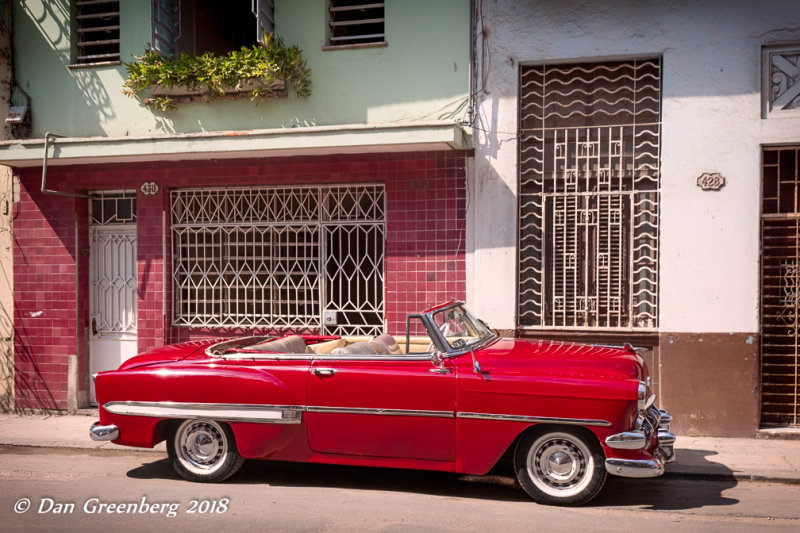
point(563, 359)
point(168, 354)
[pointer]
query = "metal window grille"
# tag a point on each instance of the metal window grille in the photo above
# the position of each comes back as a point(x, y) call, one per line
point(280, 258)
point(112, 207)
point(356, 22)
point(97, 28)
point(780, 80)
point(780, 279)
point(589, 165)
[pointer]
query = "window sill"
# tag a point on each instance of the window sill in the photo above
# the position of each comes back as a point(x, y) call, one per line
point(382, 44)
point(77, 66)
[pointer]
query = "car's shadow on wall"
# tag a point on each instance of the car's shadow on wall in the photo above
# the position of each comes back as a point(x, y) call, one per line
point(673, 492)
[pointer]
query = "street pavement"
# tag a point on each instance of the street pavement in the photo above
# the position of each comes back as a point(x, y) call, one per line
point(760, 459)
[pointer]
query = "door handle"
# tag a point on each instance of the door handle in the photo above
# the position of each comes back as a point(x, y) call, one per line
point(324, 372)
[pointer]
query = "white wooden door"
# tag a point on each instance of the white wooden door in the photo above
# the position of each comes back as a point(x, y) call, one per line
point(112, 295)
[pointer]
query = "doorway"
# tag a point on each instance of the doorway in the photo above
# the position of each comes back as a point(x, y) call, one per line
point(112, 280)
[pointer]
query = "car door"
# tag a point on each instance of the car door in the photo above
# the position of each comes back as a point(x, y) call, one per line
point(382, 406)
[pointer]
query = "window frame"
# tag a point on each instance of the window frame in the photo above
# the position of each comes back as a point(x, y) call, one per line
point(166, 23)
point(376, 39)
point(585, 155)
point(82, 26)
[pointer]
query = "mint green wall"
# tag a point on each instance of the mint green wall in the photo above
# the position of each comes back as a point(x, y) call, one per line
point(421, 75)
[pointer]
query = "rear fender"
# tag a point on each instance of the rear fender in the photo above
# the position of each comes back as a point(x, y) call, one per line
point(140, 402)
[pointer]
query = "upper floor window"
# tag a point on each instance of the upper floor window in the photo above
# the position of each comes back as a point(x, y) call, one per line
point(589, 187)
point(780, 81)
point(97, 31)
point(354, 22)
point(199, 26)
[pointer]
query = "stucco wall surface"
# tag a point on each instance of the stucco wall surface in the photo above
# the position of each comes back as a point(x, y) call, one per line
point(711, 115)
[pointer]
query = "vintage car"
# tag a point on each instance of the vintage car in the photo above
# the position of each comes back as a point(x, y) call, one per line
point(450, 396)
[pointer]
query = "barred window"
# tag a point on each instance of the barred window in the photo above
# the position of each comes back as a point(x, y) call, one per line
point(780, 286)
point(280, 258)
point(355, 22)
point(97, 31)
point(589, 174)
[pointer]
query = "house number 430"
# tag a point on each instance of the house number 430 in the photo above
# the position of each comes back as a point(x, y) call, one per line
point(149, 188)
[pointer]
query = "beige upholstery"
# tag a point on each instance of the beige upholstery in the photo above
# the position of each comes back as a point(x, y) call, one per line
point(288, 344)
point(381, 348)
point(388, 341)
point(356, 348)
point(324, 348)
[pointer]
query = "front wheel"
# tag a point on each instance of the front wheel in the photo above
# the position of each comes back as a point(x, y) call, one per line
point(203, 450)
point(565, 466)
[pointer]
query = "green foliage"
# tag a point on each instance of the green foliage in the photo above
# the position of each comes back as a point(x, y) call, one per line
point(263, 63)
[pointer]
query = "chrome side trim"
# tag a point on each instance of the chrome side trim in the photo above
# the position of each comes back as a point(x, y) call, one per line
point(291, 414)
point(535, 419)
point(263, 356)
point(264, 414)
point(374, 411)
point(103, 433)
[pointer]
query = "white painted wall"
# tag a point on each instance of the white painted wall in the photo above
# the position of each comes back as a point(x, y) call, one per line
point(711, 123)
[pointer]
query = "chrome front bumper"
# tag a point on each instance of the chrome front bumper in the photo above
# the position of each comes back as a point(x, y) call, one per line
point(655, 421)
point(104, 433)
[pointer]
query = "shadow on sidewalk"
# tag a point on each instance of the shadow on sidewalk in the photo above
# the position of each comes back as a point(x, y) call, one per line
point(691, 482)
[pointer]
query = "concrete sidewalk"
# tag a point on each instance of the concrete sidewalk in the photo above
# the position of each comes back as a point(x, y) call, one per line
point(776, 460)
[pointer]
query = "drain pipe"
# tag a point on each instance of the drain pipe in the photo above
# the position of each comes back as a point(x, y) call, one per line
point(47, 137)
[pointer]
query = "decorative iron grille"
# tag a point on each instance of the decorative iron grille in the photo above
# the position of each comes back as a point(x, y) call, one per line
point(280, 258)
point(589, 163)
point(780, 80)
point(780, 279)
point(112, 207)
point(113, 277)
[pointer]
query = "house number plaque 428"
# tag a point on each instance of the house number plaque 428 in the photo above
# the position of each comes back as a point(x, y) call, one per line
point(711, 181)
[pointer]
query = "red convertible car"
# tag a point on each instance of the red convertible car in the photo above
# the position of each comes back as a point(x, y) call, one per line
point(450, 395)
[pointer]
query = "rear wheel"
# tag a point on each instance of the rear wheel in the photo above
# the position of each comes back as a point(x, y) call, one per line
point(203, 450)
point(563, 466)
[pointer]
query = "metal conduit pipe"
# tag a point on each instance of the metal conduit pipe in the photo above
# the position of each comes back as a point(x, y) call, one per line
point(45, 190)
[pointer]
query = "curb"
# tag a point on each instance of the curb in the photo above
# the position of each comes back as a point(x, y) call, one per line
point(754, 478)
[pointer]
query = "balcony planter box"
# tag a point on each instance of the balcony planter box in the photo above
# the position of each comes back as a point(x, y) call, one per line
point(183, 93)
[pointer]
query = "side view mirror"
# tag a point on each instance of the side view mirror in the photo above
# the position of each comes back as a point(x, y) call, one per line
point(438, 363)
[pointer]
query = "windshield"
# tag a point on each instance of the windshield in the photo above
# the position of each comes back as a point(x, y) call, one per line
point(460, 328)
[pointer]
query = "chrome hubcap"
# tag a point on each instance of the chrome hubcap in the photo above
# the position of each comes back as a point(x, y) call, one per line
point(201, 444)
point(558, 465)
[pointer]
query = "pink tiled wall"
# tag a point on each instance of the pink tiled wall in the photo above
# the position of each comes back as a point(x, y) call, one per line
point(425, 248)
